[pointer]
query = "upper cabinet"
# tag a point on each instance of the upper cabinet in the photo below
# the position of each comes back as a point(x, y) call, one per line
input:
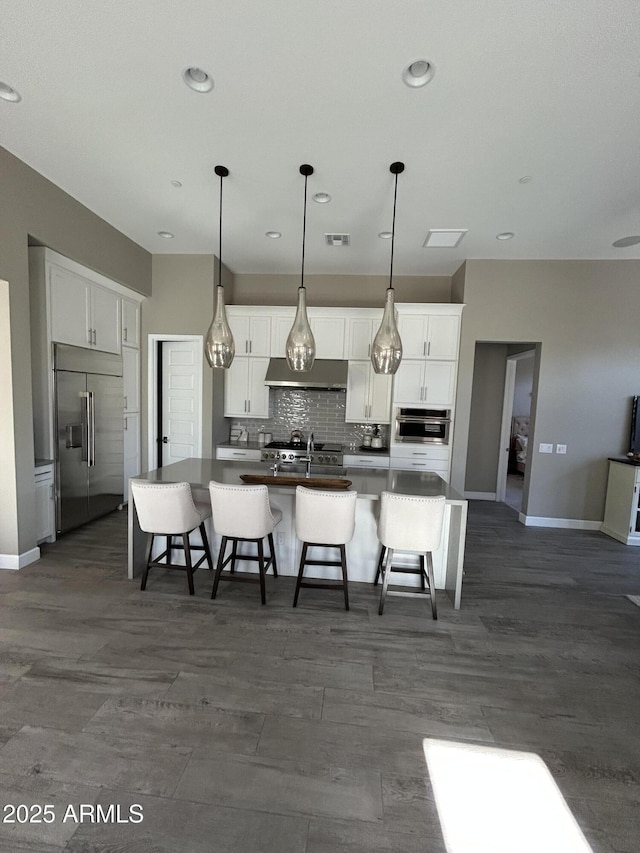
point(368, 395)
point(251, 331)
point(429, 336)
point(328, 332)
point(360, 334)
point(82, 313)
point(130, 323)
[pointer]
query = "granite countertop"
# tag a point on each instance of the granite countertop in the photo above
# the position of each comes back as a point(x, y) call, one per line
point(368, 482)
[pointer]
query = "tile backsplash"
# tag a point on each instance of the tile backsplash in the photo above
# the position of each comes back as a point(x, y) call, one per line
point(322, 412)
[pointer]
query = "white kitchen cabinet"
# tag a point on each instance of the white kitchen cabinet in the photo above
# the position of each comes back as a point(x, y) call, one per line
point(419, 382)
point(45, 504)
point(132, 459)
point(622, 506)
point(363, 460)
point(238, 454)
point(251, 332)
point(421, 457)
point(130, 314)
point(328, 332)
point(368, 395)
point(245, 394)
point(429, 335)
point(360, 334)
point(131, 378)
point(83, 314)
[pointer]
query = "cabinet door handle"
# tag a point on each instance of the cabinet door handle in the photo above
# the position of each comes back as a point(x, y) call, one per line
point(246, 346)
point(421, 391)
point(369, 351)
point(424, 348)
point(90, 337)
point(94, 338)
point(126, 336)
point(238, 453)
point(425, 393)
point(248, 405)
point(250, 346)
point(126, 402)
point(126, 423)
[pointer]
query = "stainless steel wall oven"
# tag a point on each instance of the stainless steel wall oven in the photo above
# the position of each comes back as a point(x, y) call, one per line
point(422, 426)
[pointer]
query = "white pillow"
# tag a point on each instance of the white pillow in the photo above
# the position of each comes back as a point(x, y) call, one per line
point(522, 441)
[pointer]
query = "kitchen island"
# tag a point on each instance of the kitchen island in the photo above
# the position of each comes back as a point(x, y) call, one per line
point(362, 551)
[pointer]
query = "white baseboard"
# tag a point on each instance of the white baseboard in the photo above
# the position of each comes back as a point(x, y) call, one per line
point(566, 523)
point(480, 496)
point(14, 562)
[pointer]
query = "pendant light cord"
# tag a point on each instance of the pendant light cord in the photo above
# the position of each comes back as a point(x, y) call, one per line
point(304, 228)
point(393, 230)
point(220, 239)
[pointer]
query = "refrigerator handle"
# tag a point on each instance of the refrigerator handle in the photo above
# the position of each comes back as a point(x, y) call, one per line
point(86, 420)
point(92, 429)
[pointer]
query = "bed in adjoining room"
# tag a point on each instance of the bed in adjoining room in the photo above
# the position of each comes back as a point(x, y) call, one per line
point(518, 445)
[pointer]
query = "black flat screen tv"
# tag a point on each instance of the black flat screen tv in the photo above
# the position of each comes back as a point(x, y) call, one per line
point(634, 437)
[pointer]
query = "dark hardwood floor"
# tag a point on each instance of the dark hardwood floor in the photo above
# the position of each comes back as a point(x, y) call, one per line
point(244, 728)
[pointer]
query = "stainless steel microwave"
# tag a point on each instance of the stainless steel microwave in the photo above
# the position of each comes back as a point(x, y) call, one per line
point(422, 426)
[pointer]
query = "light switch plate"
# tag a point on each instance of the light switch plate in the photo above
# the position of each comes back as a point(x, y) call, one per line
point(546, 448)
point(561, 448)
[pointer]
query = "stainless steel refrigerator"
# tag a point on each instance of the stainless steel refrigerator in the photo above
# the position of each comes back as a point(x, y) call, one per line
point(89, 424)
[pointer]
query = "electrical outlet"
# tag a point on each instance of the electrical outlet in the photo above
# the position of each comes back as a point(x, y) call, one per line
point(561, 448)
point(280, 538)
point(546, 448)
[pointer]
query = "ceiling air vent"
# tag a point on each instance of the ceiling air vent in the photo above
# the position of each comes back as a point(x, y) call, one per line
point(337, 239)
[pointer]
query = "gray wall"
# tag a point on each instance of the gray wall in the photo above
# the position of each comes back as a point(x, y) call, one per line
point(353, 291)
point(589, 367)
point(182, 304)
point(33, 207)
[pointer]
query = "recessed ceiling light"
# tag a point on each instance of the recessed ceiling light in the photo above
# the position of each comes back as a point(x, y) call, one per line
point(197, 79)
point(444, 238)
point(274, 235)
point(623, 242)
point(166, 234)
point(525, 179)
point(8, 93)
point(505, 235)
point(176, 184)
point(385, 235)
point(418, 73)
point(321, 198)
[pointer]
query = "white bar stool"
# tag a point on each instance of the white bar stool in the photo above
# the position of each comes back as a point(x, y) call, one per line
point(169, 509)
point(243, 514)
point(409, 523)
point(324, 518)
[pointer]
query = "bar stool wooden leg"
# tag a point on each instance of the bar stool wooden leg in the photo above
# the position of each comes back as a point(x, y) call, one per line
point(187, 560)
point(423, 574)
point(273, 556)
point(234, 555)
point(385, 583)
point(147, 560)
point(380, 569)
point(303, 560)
point(169, 544)
point(216, 580)
point(345, 579)
point(432, 585)
point(263, 591)
point(205, 543)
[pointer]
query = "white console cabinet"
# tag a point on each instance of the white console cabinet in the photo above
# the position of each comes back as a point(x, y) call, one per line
point(622, 507)
point(45, 504)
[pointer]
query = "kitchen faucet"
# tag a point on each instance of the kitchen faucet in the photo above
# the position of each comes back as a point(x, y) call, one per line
point(310, 447)
point(307, 459)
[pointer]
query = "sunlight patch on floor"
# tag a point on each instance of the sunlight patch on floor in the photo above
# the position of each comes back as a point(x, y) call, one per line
point(494, 800)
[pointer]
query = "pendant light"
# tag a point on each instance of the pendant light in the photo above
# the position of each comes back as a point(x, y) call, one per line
point(219, 347)
point(301, 346)
point(386, 352)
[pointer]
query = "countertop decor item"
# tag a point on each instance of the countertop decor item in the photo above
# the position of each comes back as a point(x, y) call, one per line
point(301, 346)
point(292, 480)
point(386, 352)
point(219, 347)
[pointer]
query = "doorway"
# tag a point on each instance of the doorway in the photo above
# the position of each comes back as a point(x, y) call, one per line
point(175, 398)
point(516, 428)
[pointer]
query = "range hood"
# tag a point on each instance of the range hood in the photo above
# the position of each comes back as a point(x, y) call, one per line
point(326, 374)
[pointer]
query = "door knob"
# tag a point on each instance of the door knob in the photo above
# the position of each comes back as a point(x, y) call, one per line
point(165, 440)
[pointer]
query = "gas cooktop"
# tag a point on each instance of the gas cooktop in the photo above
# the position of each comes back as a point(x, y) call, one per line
point(292, 445)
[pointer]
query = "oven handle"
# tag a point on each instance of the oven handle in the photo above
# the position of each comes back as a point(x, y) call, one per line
point(403, 419)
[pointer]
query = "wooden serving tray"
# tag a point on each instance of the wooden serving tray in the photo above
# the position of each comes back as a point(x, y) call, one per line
point(288, 480)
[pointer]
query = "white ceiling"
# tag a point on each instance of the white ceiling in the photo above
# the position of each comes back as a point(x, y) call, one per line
point(545, 88)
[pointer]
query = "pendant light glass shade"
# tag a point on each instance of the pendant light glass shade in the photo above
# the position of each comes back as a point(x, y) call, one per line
point(301, 346)
point(219, 347)
point(386, 352)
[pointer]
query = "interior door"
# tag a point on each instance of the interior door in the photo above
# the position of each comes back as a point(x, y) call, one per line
point(72, 498)
point(106, 444)
point(181, 432)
